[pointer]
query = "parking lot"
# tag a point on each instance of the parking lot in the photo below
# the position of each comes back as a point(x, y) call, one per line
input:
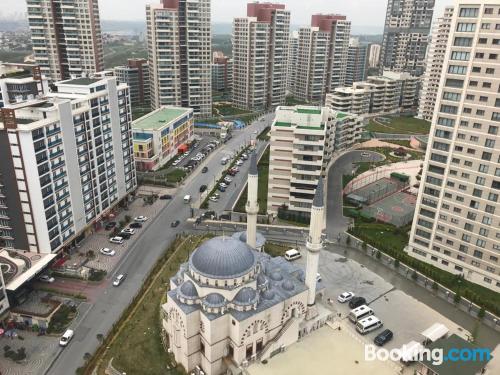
point(399, 312)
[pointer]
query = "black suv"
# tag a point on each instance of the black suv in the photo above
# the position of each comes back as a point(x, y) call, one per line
point(383, 337)
point(203, 188)
point(356, 302)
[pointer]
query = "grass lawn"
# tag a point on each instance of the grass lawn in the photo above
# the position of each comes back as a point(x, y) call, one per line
point(400, 125)
point(290, 100)
point(263, 167)
point(137, 347)
point(399, 142)
point(276, 249)
point(228, 110)
point(393, 237)
point(176, 175)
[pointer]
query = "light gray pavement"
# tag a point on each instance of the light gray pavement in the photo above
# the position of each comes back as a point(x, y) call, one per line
point(335, 221)
point(144, 251)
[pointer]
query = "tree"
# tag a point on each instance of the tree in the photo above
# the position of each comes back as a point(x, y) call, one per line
point(86, 357)
point(100, 337)
point(396, 263)
point(364, 246)
point(378, 255)
point(481, 313)
point(414, 275)
point(457, 298)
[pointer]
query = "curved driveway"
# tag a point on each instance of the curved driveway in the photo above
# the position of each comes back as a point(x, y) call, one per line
point(335, 221)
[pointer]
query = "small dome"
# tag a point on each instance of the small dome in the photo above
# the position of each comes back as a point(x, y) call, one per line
point(260, 239)
point(246, 296)
point(276, 276)
point(261, 280)
point(215, 300)
point(188, 290)
point(223, 258)
point(268, 294)
point(288, 285)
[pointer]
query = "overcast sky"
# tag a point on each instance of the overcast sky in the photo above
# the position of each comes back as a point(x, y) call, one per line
point(360, 12)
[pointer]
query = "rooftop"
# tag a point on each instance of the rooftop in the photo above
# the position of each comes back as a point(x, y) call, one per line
point(159, 118)
point(81, 81)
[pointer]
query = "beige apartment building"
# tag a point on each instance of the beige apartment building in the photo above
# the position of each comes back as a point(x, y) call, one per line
point(260, 56)
point(322, 56)
point(389, 93)
point(434, 65)
point(303, 140)
point(66, 37)
point(457, 219)
point(179, 54)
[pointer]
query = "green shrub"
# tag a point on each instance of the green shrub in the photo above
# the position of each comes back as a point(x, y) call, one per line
point(457, 298)
point(414, 275)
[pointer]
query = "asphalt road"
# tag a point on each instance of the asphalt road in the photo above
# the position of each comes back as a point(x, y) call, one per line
point(141, 257)
point(335, 221)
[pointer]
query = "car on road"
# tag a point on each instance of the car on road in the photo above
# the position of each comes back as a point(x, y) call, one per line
point(106, 251)
point(135, 225)
point(46, 279)
point(345, 297)
point(176, 162)
point(244, 156)
point(239, 162)
point(365, 154)
point(141, 219)
point(383, 337)
point(223, 185)
point(66, 338)
point(213, 198)
point(119, 279)
point(110, 225)
point(292, 254)
point(221, 189)
point(228, 179)
point(203, 188)
point(225, 217)
point(356, 302)
point(175, 223)
point(128, 231)
point(165, 197)
point(204, 170)
point(117, 239)
point(187, 198)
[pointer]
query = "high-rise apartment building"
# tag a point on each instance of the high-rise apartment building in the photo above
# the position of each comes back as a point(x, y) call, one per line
point(222, 72)
point(357, 62)
point(66, 37)
point(179, 54)
point(136, 75)
point(303, 139)
point(322, 56)
point(293, 47)
point(374, 55)
point(434, 65)
point(260, 56)
point(457, 218)
point(67, 160)
point(406, 34)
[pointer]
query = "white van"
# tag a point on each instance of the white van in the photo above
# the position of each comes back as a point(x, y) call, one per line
point(292, 254)
point(360, 313)
point(368, 324)
point(68, 335)
point(187, 198)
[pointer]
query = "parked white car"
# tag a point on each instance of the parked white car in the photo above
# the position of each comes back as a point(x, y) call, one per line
point(46, 279)
point(345, 297)
point(106, 251)
point(118, 240)
point(119, 279)
point(239, 162)
point(128, 231)
point(213, 198)
point(141, 219)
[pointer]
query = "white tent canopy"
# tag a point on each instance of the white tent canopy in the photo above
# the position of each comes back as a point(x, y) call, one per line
point(435, 332)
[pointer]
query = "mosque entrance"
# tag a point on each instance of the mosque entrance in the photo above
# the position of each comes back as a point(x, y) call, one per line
point(260, 345)
point(231, 351)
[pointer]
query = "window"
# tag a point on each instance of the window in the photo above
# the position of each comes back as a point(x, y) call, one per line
point(495, 116)
point(482, 40)
point(481, 243)
point(487, 85)
point(486, 156)
point(456, 83)
point(483, 232)
point(441, 146)
point(480, 181)
point(469, 12)
point(473, 83)
point(457, 69)
point(443, 134)
point(490, 143)
point(483, 168)
point(446, 121)
point(477, 126)
point(460, 56)
point(488, 10)
point(453, 96)
point(479, 55)
point(462, 42)
point(483, 98)
point(486, 220)
point(467, 110)
point(490, 71)
point(466, 27)
point(485, 26)
point(449, 109)
point(439, 158)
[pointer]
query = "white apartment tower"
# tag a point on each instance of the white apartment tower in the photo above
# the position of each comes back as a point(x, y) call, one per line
point(260, 56)
point(179, 54)
point(406, 33)
point(292, 62)
point(67, 161)
point(374, 55)
point(322, 56)
point(457, 218)
point(434, 65)
point(66, 37)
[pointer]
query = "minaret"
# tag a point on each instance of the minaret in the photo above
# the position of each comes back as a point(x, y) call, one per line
point(252, 206)
point(314, 244)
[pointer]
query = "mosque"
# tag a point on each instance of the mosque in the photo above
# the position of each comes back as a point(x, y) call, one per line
point(232, 304)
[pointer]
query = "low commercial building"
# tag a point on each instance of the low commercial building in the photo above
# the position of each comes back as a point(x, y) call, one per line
point(20, 82)
point(66, 162)
point(303, 140)
point(158, 136)
point(389, 93)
